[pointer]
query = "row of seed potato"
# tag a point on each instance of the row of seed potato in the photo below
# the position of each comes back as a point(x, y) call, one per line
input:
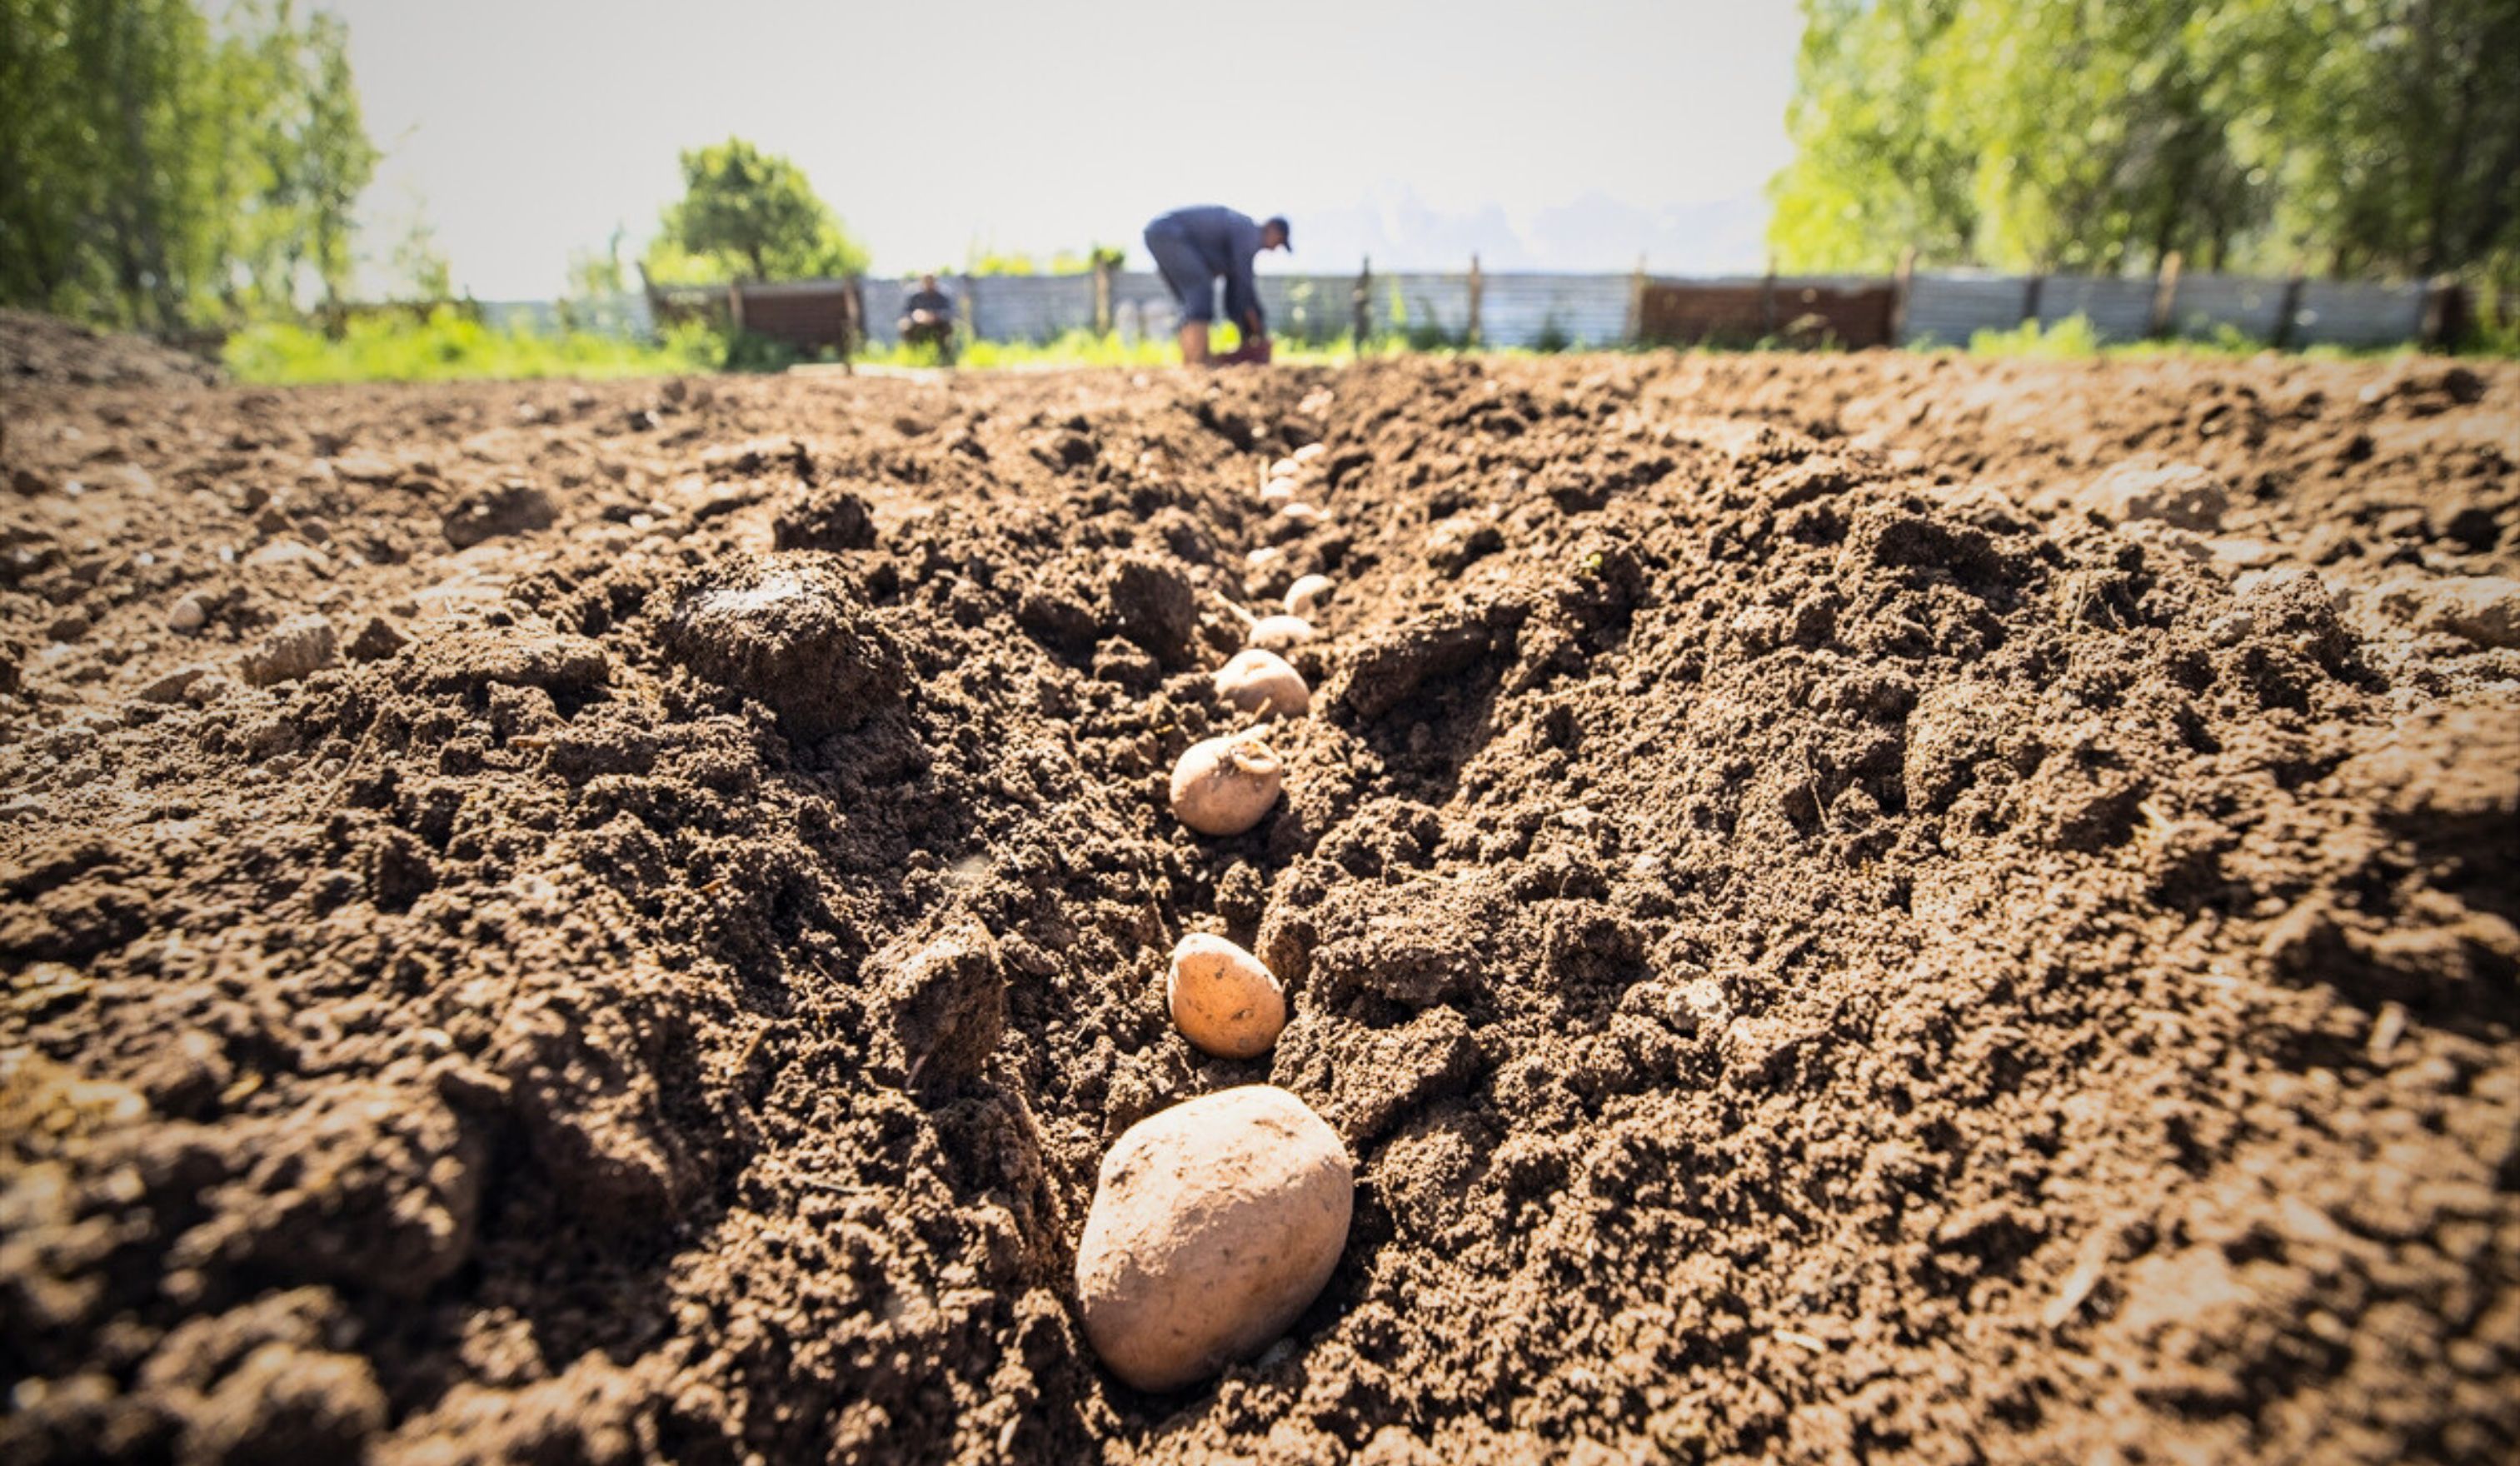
point(1216, 1222)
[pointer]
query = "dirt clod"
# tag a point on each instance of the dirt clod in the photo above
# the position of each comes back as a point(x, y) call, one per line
point(510, 507)
point(795, 635)
point(297, 647)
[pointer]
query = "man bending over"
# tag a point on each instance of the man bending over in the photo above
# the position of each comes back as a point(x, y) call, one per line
point(1193, 247)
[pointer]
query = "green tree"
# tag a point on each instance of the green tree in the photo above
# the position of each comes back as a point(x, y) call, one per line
point(592, 298)
point(747, 214)
point(157, 170)
point(2366, 135)
point(2409, 158)
point(420, 266)
point(1876, 168)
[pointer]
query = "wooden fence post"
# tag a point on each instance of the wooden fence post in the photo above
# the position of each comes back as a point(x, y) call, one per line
point(2030, 294)
point(1102, 298)
point(854, 328)
point(970, 307)
point(1900, 285)
point(1478, 287)
point(1768, 301)
point(1361, 302)
point(2287, 318)
point(1634, 331)
point(2445, 316)
point(735, 304)
point(2165, 297)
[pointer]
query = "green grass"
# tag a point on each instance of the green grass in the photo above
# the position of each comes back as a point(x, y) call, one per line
point(450, 346)
point(2073, 338)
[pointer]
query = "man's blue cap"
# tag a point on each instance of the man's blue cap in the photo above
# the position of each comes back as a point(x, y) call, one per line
point(1278, 222)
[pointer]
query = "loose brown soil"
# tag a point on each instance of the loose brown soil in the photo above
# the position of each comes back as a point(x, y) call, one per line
point(625, 932)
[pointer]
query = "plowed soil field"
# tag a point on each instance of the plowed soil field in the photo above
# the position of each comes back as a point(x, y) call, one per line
point(1847, 908)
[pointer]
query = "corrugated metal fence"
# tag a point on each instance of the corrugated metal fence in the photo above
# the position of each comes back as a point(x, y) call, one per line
point(1561, 311)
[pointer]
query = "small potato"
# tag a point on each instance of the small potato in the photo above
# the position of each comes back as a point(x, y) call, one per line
point(1303, 514)
point(1223, 787)
point(1285, 467)
point(1304, 597)
point(1223, 999)
point(1309, 452)
point(1281, 634)
point(1256, 680)
point(1277, 491)
point(1215, 1223)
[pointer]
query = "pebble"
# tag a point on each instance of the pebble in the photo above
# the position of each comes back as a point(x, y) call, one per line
point(172, 686)
point(187, 616)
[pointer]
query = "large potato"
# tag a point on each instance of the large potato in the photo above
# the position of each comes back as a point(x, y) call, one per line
point(1214, 1225)
point(1223, 999)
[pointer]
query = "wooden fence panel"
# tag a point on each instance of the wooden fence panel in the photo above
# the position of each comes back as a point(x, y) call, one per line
point(1740, 311)
point(810, 315)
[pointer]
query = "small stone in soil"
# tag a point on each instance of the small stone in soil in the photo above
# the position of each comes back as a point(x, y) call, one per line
point(295, 648)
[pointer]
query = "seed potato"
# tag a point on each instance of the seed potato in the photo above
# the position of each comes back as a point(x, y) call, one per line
point(1224, 999)
point(1224, 786)
point(1215, 1223)
point(1281, 634)
point(1260, 682)
point(1304, 597)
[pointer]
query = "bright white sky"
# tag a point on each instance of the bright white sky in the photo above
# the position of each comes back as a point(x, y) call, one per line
point(1574, 134)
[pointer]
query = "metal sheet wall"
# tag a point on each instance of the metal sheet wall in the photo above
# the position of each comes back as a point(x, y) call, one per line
point(2119, 309)
point(2207, 303)
point(1946, 310)
point(1531, 309)
point(2353, 313)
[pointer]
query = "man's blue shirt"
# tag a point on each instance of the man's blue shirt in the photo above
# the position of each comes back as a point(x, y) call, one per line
point(1227, 242)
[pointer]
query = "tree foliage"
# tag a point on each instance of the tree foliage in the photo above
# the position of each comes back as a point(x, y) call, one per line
point(158, 170)
point(2349, 135)
point(747, 214)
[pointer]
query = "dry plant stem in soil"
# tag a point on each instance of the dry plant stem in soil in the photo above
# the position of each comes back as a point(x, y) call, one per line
point(1831, 927)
